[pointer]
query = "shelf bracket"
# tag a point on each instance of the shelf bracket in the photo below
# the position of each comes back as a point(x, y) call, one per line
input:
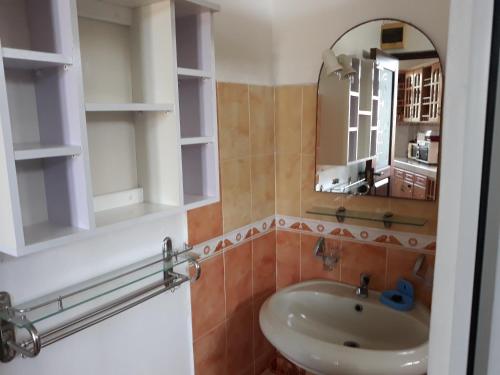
point(340, 214)
point(7, 331)
point(386, 219)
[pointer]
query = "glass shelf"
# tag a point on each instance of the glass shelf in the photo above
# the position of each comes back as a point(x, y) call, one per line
point(387, 219)
point(97, 291)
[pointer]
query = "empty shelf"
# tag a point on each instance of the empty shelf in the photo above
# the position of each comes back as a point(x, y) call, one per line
point(139, 212)
point(30, 151)
point(185, 73)
point(26, 59)
point(46, 231)
point(196, 140)
point(365, 113)
point(129, 107)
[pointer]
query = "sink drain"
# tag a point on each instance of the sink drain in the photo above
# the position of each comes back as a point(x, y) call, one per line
point(351, 344)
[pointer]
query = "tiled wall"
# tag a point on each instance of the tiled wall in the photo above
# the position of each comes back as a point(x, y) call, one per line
point(236, 281)
point(260, 238)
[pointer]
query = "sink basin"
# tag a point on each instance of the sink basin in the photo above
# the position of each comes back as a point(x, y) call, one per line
point(324, 328)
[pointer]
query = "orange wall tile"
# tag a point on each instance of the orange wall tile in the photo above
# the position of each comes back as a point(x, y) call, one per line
point(210, 352)
point(238, 279)
point(360, 258)
point(264, 265)
point(208, 300)
point(287, 258)
point(204, 223)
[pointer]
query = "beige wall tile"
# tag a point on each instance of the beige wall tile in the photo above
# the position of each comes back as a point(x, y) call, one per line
point(288, 184)
point(309, 119)
point(288, 118)
point(311, 198)
point(261, 120)
point(263, 187)
point(421, 209)
point(233, 116)
point(236, 195)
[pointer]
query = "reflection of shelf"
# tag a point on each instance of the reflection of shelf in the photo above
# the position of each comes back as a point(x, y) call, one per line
point(388, 218)
point(29, 151)
point(129, 107)
point(26, 59)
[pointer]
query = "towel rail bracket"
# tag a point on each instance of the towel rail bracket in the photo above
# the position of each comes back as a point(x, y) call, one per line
point(7, 331)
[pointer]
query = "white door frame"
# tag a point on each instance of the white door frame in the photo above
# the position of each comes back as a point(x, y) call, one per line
point(466, 88)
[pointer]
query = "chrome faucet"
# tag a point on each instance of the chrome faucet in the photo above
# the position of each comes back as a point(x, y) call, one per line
point(362, 289)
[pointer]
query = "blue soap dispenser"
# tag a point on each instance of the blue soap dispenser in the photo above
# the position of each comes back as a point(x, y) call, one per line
point(400, 299)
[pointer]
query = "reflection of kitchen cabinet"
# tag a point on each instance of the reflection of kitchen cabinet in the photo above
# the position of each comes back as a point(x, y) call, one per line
point(413, 95)
point(419, 98)
point(411, 185)
point(348, 115)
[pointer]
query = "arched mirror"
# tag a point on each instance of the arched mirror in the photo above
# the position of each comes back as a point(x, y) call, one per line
point(379, 113)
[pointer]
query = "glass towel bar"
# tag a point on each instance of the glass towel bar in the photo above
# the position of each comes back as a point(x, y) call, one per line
point(387, 218)
point(80, 306)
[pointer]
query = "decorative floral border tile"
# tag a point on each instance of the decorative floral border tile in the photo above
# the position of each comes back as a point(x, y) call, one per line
point(419, 242)
point(358, 233)
point(235, 238)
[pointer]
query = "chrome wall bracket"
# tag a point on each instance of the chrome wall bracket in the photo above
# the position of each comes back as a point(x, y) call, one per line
point(7, 331)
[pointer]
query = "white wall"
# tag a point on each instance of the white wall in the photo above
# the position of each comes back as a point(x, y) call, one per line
point(138, 341)
point(303, 29)
point(243, 42)
point(461, 160)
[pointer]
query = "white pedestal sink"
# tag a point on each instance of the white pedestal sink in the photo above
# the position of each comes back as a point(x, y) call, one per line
point(323, 327)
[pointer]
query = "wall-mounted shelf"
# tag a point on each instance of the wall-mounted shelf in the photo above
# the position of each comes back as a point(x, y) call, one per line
point(134, 147)
point(29, 151)
point(69, 311)
point(129, 107)
point(26, 59)
point(386, 218)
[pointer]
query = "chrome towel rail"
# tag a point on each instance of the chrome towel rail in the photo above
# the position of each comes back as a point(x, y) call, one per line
point(128, 287)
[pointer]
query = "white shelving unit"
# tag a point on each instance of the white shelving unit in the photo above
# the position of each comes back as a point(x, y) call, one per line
point(90, 98)
point(197, 102)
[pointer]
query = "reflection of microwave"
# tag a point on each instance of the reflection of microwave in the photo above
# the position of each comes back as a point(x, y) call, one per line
point(412, 150)
point(427, 152)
